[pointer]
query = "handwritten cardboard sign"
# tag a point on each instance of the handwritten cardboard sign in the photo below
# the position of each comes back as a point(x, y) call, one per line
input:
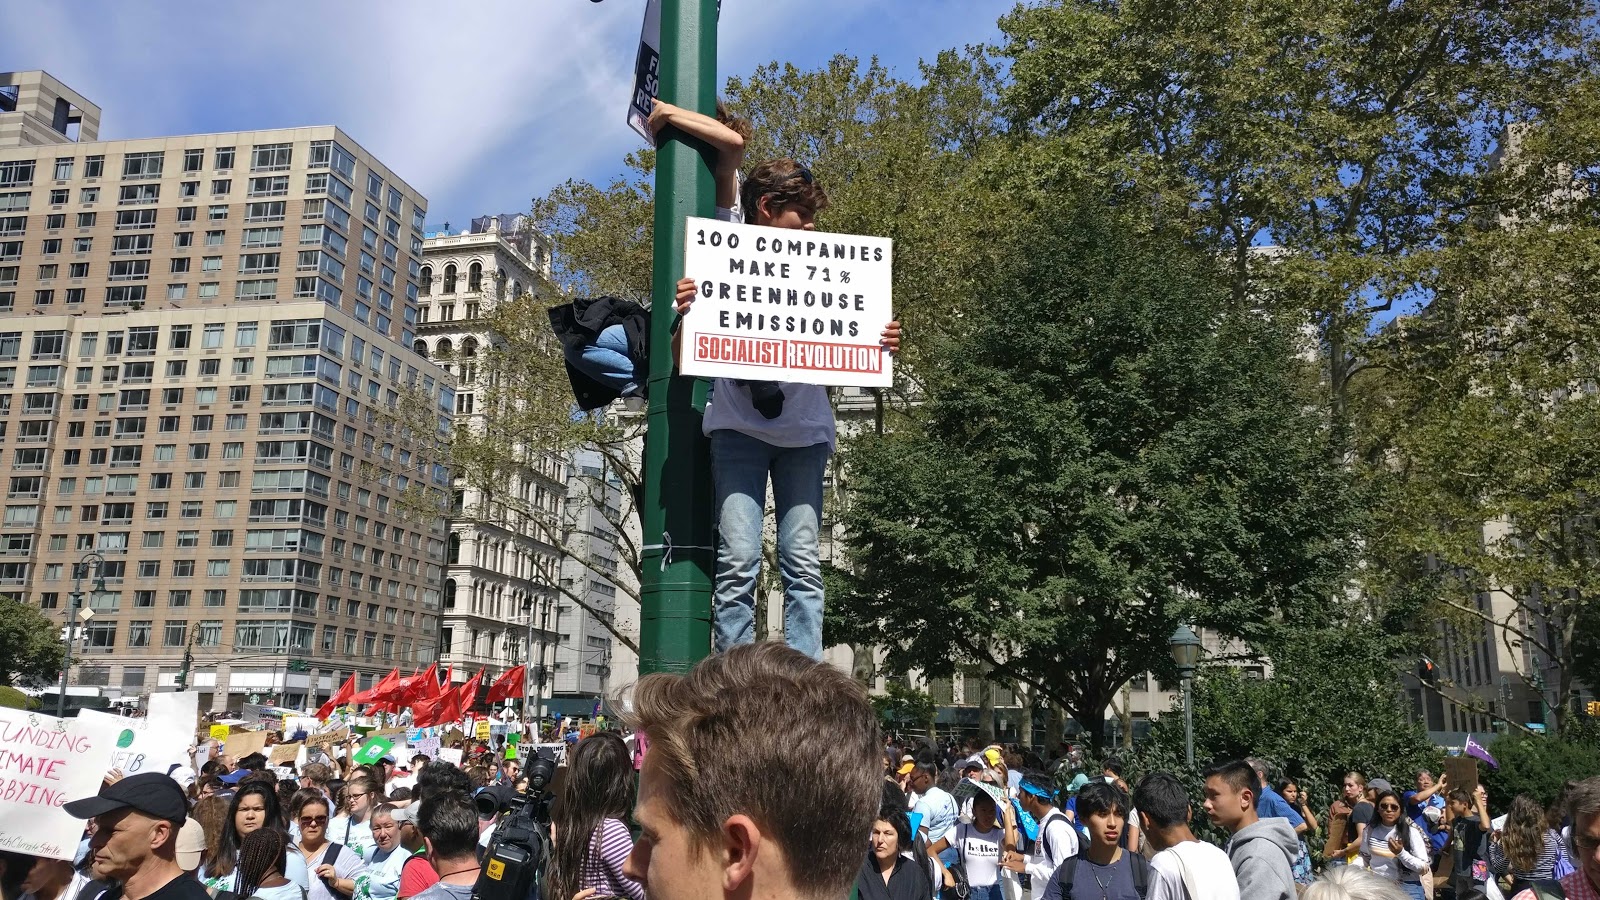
point(284, 753)
point(244, 743)
point(775, 304)
point(46, 762)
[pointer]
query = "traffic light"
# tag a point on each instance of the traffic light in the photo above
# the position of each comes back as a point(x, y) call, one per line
point(1593, 708)
point(1427, 672)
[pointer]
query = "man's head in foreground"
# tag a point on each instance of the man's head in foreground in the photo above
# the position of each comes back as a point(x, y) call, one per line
point(138, 819)
point(762, 779)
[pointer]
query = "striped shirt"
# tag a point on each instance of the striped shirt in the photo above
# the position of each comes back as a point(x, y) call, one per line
point(609, 848)
point(1543, 870)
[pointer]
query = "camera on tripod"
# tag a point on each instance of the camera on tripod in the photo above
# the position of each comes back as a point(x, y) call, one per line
point(516, 857)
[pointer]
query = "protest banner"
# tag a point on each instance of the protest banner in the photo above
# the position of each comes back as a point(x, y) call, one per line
point(160, 739)
point(794, 306)
point(373, 750)
point(44, 763)
point(244, 743)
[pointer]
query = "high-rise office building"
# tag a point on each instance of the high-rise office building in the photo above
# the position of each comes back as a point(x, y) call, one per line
point(206, 345)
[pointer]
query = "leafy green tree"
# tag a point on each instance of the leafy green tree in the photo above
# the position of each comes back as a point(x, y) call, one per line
point(1355, 135)
point(31, 649)
point(1536, 765)
point(1111, 446)
point(902, 706)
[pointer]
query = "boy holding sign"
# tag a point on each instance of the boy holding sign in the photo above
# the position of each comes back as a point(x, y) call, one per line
point(762, 430)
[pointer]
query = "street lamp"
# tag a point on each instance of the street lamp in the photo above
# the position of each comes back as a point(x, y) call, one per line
point(1185, 646)
point(527, 716)
point(79, 570)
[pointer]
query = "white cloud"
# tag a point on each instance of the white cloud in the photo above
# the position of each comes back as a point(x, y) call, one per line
point(480, 105)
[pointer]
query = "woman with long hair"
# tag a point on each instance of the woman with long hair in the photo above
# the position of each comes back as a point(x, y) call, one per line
point(1395, 847)
point(895, 867)
point(1290, 791)
point(1525, 849)
point(263, 855)
point(333, 867)
point(254, 808)
point(588, 822)
point(211, 813)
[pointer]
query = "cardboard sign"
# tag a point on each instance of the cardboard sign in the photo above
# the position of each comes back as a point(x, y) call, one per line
point(327, 740)
point(219, 732)
point(244, 743)
point(373, 750)
point(44, 763)
point(284, 753)
point(453, 735)
point(791, 306)
point(1462, 772)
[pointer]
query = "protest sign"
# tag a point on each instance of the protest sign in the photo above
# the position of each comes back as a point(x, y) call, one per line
point(244, 743)
point(373, 750)
point(428, 746)
point(481, 730)
point(160, 739)
point(44, 763)
point(779, 305)
point(284, 753)
point(450, 755)
point(646, 71)
point(219, 732)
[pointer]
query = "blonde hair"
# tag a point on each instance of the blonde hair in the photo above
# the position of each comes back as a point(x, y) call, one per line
point(1351, 883)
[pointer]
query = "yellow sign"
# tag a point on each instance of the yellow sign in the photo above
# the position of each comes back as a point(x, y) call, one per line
point(481, 730)
point(219, 732)
point(496, 869)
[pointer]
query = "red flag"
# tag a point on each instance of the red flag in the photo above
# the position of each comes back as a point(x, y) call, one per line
point(379, 691)
point(438, 711)
point(339, 698)
point(469, 691)
point(509, 685)
point(425, 687)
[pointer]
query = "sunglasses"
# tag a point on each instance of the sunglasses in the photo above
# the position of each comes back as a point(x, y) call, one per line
point(1392, 806)
point(313, 820)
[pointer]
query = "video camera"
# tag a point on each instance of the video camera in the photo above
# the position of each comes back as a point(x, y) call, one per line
point(520, 847)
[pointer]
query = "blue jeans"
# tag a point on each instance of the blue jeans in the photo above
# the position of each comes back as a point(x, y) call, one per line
point(607, 361)
point(740, 466)
point(989, 892)
point(1414, 888)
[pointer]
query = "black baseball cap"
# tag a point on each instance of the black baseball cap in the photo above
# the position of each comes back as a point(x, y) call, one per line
point(151, 793)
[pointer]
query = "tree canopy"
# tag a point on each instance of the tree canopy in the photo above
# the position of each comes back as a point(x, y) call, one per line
point(31, 649)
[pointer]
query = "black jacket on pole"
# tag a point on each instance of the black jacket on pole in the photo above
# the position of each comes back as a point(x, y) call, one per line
point(578, 324)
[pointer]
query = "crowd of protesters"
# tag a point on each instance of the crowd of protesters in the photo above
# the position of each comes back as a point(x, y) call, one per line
point(766, 777)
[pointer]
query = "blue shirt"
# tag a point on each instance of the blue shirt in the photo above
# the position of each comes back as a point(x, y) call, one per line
point(939, 813)
point(1436, 838)
point(1272, 806)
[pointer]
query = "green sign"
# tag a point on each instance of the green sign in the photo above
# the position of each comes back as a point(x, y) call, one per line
point(511, 751)
point(373, 750)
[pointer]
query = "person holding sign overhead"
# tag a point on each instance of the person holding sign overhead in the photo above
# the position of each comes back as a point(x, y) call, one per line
point(767, 430)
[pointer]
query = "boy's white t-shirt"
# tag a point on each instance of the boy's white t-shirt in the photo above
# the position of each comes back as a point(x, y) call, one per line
point(1209, 868)
point(807, 417)
point(979, 852)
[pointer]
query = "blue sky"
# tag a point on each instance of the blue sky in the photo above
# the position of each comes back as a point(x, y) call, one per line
point(480, 104)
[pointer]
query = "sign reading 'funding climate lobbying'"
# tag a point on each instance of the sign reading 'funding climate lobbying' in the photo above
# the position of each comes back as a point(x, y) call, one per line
point(776, 304)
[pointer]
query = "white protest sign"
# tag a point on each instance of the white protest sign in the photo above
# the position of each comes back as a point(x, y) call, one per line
point(451, 755)
point(160, 740)
point(46, 762)
point(775, 304)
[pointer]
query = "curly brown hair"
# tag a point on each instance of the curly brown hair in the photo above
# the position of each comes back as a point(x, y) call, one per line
point(786, 183)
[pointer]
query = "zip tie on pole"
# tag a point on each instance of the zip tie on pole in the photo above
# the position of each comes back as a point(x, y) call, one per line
point(666, 549)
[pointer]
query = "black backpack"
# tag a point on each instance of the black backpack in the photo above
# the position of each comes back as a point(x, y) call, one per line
point(1141, 874)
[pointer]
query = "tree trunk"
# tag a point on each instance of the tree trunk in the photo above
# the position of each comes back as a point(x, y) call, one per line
point(1125, 716)
point(985, 707)
point(1057, 729)
point(863, 665)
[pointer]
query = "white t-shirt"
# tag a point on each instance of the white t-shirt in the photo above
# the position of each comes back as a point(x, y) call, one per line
point(1059, 838)
point(807, 417)
point(980, 853)
point(355, 835)
point(1209, 870)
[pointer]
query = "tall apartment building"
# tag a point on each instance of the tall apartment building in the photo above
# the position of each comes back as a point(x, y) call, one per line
point(204, 340)
point(499, 606)
point(582, 664)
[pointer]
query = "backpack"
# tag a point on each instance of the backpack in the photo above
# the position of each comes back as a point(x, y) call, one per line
point(1548, 890)
point(1141, 875)
point(1044, 828)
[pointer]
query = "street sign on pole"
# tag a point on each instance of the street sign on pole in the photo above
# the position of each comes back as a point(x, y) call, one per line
point(676, 557)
